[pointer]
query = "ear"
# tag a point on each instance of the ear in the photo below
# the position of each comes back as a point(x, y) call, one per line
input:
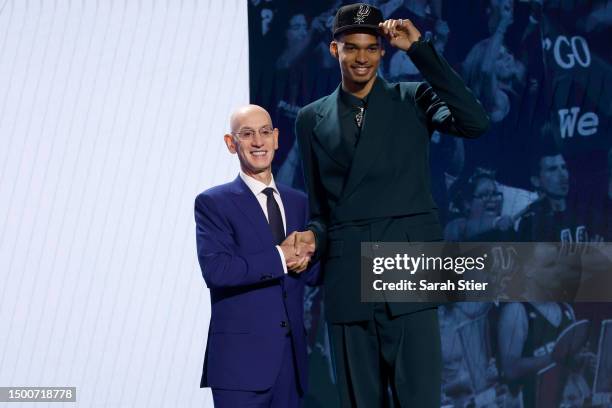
point(382, 51)
point(229, 142)
point(535, 181)
point(333, 49)
point(275, 136)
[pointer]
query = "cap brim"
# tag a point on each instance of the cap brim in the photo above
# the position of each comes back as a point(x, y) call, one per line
point(358, 27)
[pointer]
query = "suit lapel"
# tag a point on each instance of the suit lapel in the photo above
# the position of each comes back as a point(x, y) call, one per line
point(249, 206)
point(378, 119)
point(327, 130)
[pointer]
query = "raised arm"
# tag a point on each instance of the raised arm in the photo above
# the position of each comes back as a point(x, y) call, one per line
point(446, 102)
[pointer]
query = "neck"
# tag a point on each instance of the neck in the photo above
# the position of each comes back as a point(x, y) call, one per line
point(359, 90)
point(265, 176)
point(557, 203)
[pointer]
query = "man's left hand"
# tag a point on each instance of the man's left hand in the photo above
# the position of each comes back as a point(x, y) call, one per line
point(400, 33)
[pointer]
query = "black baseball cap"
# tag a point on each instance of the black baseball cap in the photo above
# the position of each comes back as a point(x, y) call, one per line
point(357, 16)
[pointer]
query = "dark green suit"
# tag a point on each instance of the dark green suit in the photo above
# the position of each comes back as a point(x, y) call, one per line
point(388, 176)
point(381, 191)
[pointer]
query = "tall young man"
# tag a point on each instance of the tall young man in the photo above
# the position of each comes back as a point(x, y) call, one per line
point(366, 163)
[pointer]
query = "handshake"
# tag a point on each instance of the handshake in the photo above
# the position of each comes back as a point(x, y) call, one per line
point(298, 248)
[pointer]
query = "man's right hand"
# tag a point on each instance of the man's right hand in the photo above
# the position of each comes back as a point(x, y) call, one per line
point(298, 248)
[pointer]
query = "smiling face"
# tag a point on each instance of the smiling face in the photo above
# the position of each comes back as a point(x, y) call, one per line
point(486, 200)
point(254, 140)
point(359, 55)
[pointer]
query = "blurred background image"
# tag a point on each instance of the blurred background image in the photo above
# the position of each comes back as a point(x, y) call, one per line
point(542, 172)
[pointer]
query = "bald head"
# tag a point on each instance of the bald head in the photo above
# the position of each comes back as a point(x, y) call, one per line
point(254, 140)
point(247, 114)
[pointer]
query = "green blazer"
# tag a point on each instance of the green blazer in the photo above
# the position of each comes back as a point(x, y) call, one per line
point(383, 192)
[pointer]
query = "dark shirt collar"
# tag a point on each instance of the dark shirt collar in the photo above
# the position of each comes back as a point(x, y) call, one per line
point(350, 101)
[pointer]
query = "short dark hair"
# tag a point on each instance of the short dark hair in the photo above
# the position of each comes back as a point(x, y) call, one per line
point(545, 147)
point(462, 190)
point(536, 159)
point(370, 31)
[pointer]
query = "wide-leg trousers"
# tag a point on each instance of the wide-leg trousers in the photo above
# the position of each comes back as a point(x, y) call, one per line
point(389, 359)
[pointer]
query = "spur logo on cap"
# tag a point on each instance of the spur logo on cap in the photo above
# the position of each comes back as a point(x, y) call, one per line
point(357, 16)
point(362, 13)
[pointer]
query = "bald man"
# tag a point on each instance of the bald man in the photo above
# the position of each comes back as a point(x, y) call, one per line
point(256, 350)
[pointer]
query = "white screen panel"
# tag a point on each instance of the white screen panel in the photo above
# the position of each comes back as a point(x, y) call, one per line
point(111, 121)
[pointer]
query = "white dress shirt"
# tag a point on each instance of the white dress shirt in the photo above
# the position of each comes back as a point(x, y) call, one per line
point(257, 188)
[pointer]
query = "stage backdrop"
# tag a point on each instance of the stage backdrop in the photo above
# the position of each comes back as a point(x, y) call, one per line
point(542, 70)
point(112, 115)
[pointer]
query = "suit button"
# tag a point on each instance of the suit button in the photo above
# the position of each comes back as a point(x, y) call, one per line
point(283, 324)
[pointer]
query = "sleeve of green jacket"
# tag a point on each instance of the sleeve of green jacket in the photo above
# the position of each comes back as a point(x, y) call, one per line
point(319, 212)
point(447, 103)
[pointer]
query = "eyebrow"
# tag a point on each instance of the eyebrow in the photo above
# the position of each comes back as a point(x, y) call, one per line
point(259, 127)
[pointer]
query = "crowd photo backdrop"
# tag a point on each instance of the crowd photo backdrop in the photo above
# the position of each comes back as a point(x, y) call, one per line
point(541, 173)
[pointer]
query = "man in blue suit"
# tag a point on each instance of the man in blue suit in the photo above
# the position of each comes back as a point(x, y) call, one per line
point(256, 349)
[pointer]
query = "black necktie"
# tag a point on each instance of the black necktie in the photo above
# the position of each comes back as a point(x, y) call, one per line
point(275, 219)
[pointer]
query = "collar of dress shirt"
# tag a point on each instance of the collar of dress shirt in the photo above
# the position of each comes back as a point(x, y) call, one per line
point(255, 185)
point(352, 102)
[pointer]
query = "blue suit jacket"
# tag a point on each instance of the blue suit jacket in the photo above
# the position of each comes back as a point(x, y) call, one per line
point(254, 304)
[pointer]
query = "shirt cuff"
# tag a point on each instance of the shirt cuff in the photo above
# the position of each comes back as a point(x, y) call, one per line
point(282, 257)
